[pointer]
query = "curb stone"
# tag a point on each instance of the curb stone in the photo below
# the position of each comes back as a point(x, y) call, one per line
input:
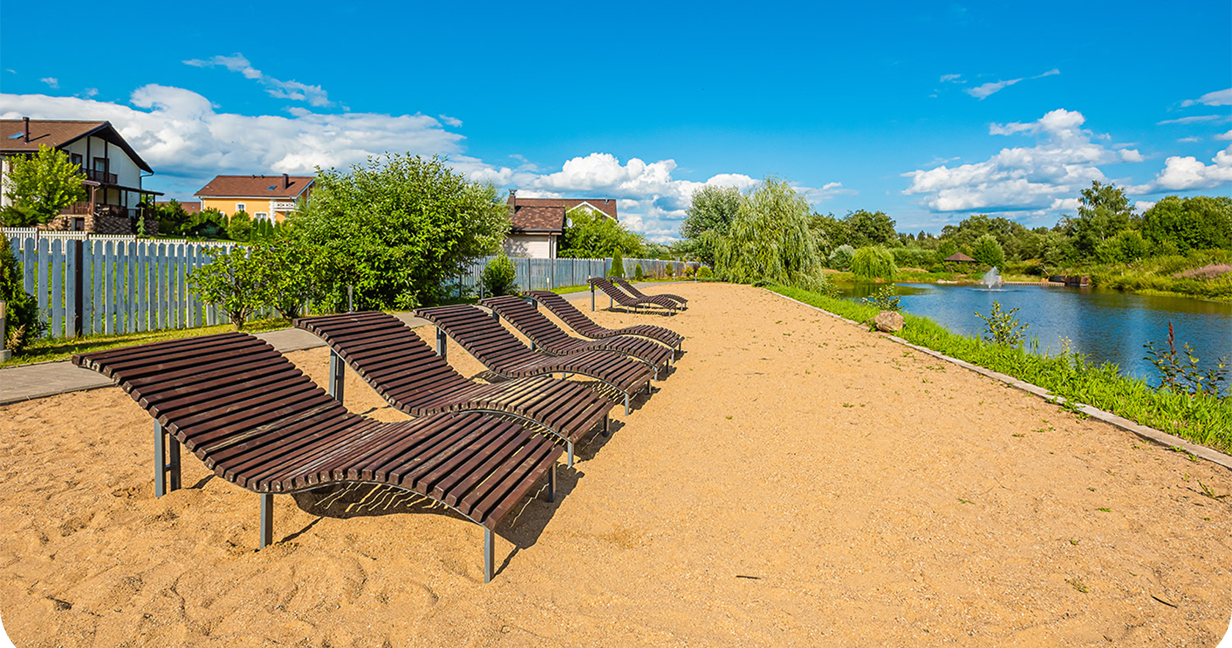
point(1150, 434)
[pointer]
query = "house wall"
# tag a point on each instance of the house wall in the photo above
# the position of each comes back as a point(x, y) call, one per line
point(534, 246)
point(252, 206)
point(4, 182)
point(125, 169)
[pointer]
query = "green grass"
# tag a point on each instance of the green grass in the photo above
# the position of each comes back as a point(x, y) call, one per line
point(52, 350)
point(1202, 419)
point(565, 290)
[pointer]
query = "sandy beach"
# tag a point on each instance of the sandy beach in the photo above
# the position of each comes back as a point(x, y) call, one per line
point(795, 481)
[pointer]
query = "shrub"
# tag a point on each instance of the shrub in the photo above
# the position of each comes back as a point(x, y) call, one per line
point(987, 251)
point(240, 227)
point(1180, 372)
point(884, 300)
point(500, 277)
point(913, 257)
point(638, 273)
point(293, 274)
point(22, 323)
point(840, 258)
point(234, 281)
point(1001, 327)
point(670, 269)
point(618, 265)
point(874, 262)
point(704, 272)
point(689, 271)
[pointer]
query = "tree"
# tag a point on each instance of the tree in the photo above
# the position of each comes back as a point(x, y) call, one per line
point(1103, 212)
point(987, 251)
point(22, 323)
point(710, 215)
point(172, 218)
point(618, 266)
point(1198, 223)
point(500, 277)
point(292, 274)
point(829, 233)
point(592, 234)
point(403, 224)
point(239, 227)
point(770, 240)
point(840, 258)
point(866, 228)
point(234, 281)
point(873, 262)
point(41, 185)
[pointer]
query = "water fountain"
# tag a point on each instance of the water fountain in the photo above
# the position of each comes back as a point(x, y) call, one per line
point(992, 280)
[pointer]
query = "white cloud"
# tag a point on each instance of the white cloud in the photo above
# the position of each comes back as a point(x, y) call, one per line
point(1052, 72)
point(1143, 205)
point(1216, 98)
point(954, 78)
point(1224, 136)
point(986, 90)
point(294, 90)
point(451, 121)
point(1182, 173)
point(1188, 140)
point(51, 82)
point(89, 92)
point(1190, 120)
point(1064, 160)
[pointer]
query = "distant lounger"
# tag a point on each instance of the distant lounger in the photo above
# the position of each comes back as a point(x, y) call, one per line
point(260, 423)
point(681, 302)
point(617, 295)
point(404, 370)
point(551, 339)
point(484, 338)
point(578, 321)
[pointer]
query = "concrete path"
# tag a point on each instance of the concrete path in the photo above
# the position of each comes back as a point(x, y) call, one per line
point(26, 382)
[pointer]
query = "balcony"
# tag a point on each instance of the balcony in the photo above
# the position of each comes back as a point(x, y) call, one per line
point(283, 205)
point(101, 176)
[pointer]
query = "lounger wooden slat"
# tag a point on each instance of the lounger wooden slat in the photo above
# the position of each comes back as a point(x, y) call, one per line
point(618, 296)
point(551, 339)
point(504, 354)
point(583, 325)
point(279, 433)
point(406, 372)
point(681, 302)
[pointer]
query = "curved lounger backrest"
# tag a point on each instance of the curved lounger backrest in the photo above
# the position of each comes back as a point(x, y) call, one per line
point(386, 353)
point(481, 336)
point(527, 319)
point(612, 291)
point(568, 313)
point(230, 398)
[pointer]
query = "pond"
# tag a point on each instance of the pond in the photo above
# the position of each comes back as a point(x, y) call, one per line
point(1105, 325)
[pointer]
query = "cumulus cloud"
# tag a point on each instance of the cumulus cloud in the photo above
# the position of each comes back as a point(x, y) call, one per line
point(294, 90)
point(1224, 136)
point(1064, 160)
point(1216, 98)
point(51, 82)
point(986, 90)
point(1142, 205)
point(1188, 172)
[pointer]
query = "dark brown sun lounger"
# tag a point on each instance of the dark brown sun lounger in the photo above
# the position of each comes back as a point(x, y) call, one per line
point(578, 321)
point(617, 295)
point(484, 338)
point(549, 338)
point(682, 303)
point(404, 370)
point(258, 422)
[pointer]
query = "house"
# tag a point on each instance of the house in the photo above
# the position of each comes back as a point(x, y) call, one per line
point(189, 207)
point(113, 172)
point(260, 196)
point(538, 223)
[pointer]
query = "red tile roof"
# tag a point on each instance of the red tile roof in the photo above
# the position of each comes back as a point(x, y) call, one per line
point(59, 133)
point(189, 207)
point(605, 205)
point(538, 218)
point(255, 186)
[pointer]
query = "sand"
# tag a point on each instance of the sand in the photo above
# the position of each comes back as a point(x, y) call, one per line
point(796, 481)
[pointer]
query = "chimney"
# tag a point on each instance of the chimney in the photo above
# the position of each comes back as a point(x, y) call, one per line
point(513, 199)
point(25, 125)
point(286, 181)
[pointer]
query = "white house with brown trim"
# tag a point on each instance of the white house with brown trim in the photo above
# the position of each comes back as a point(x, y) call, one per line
point(538, 223)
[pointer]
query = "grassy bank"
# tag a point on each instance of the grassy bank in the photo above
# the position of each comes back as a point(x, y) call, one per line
point(1202, 419)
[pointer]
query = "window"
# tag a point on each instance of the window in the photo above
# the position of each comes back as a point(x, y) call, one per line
point(240, 207)
point(75, 158)
point(261, 216)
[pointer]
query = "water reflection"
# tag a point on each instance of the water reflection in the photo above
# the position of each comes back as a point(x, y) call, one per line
point(1107, 325)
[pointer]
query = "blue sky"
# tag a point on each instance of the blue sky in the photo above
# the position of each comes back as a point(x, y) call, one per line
point(929, 112)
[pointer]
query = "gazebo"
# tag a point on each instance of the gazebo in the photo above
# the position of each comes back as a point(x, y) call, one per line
point(959, 257)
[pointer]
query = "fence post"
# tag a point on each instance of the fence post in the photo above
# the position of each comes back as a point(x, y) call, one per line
point(5, 354)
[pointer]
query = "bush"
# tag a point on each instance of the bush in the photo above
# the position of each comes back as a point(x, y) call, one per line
point(500, 277)
point(987, 251)
point(689, 271)
point(874, 262)
point(638, 273)
point(1001, 327)
point(913, 257)
point(704, 272)
point(618, 266)
point(22, 323)
point(840, 258)
point(234, 281)
point(670, 270)
point(293, 274)
point(884, 300)
point(239, 227)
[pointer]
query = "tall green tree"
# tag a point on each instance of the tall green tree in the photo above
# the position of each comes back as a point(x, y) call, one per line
point(1103, 212)
point(1198, 223)
point(866, 228)
point(400, 226)
point(710, 215)
point(770, 240)
point(988, 251)
point(40, 185)
point(591, 234)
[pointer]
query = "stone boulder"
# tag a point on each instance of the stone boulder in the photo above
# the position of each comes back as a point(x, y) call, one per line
point(888, 321)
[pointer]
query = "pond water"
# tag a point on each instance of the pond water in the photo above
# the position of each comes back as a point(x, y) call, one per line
point(1106, 325)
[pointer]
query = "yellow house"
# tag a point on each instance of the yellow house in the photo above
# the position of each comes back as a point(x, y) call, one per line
point(261, 197)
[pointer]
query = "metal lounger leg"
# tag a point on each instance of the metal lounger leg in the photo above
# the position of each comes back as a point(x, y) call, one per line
point(569, 444)
point(440, 342)
point(592, 299)
point(160, 460)
point(626, 403)
point(607, 430)
point(267, 520)
point(173, 464)
point(337, 376)
point(552, 483)
point(487, 555)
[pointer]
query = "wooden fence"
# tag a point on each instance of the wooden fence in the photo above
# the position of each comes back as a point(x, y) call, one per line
point(545, 274)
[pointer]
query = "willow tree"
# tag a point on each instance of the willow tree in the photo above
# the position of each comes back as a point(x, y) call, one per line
point(770, 240)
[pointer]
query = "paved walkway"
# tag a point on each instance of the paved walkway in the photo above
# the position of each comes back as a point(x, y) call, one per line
point(27, 382)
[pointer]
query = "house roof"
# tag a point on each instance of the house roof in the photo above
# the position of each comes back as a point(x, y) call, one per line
point(605, 205)
point(189, 207)
point(960, 257)
point(538, 218)
point(59, 133)
point(255, 186)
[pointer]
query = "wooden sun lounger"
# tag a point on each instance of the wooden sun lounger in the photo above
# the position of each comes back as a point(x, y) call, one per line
point(578, 321)
point(617, 295)
point(258, 422)
point(681, 302)
point(551, 339)
point(484, 338)
point(404, 370)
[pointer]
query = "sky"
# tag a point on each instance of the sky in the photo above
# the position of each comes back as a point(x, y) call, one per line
point(929, 112)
